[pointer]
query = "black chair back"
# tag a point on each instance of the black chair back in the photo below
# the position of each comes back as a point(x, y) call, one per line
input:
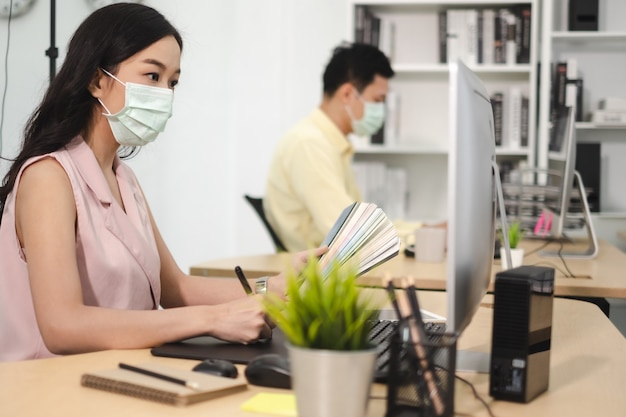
point(257, 205)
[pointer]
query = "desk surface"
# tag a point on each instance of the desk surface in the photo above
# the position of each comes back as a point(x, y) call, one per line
point(587, 376)
point(599, 277)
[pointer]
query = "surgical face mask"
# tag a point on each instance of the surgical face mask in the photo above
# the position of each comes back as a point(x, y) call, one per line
point(144, 115)
point(372, 120)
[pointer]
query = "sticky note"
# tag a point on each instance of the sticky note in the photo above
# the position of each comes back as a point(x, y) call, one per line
point(270, 403)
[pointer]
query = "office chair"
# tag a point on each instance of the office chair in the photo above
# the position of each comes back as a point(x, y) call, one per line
point(257, 205)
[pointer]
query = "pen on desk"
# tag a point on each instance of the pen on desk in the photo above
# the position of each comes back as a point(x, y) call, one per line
point(244, 282)
point(189, 384)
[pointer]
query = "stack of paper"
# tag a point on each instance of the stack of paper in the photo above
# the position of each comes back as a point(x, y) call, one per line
point(362, 233)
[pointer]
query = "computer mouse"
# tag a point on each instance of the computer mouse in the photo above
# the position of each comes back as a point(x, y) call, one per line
point(269, 370)
point(219, 367)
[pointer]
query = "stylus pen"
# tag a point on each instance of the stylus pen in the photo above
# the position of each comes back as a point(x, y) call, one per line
point(244, 282)
point(189, 384)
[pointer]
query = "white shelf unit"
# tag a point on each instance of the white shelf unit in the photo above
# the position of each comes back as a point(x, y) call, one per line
point(600, 57)
point(421, 83)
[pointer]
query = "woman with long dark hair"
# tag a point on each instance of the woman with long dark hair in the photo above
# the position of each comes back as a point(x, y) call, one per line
point(83, 266)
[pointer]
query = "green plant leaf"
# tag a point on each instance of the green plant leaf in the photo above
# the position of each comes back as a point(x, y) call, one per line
point(323, 312)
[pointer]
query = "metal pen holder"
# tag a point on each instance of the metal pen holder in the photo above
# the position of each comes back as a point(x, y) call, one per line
point(421, 387)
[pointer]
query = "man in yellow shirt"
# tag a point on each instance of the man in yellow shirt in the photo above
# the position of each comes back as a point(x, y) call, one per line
point(311, 179)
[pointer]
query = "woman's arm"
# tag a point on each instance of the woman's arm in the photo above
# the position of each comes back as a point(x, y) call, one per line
point(45, 223)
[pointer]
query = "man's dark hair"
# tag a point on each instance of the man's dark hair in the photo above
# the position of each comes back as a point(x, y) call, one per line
point(357, 64)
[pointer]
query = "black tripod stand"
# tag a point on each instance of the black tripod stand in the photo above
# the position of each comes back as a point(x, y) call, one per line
point(53, 51)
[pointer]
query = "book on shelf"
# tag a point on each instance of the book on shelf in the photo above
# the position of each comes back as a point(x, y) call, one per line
point(443, 36)
point(367, 26)
point(127, 382)
point(567, 88)
point(455, 35)
point(487, 38)
point(514, 118)
point(524, 23)
point(497, 104)
point(510, 117)
point(559, 126)
point(524, 122)
point(485, 35)
point(510, 47)
point(362, 234)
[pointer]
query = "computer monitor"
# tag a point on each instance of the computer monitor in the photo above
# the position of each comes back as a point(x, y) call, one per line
point(471, 196)
point(562, 174)
point(563, 157)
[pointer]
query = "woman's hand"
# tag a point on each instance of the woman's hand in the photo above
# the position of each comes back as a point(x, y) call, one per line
point(242, 321)
point(277, 284)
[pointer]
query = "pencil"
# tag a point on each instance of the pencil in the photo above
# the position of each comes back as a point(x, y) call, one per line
point(189, 384)
point(244, 282)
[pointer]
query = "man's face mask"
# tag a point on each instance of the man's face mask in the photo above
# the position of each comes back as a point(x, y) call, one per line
point(144, 115)
point(372, 120)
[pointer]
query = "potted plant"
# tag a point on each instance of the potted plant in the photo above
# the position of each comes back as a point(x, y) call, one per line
point(515, 234)
point(326, 320)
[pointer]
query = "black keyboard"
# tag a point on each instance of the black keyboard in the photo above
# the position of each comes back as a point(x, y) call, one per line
point(381, 336)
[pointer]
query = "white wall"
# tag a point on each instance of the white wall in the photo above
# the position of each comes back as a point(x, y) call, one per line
point(250, 69)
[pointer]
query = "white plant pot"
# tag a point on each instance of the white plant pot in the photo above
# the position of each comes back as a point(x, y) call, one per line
point(517, 258)
point(331, 383)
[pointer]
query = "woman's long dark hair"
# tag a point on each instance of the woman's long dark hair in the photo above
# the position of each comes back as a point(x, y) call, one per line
point(107, 37)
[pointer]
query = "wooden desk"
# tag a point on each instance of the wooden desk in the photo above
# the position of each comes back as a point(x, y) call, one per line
point(604, 276)
point(588, 373)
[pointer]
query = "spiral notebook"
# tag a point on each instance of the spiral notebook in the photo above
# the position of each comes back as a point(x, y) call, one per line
point(126, 382)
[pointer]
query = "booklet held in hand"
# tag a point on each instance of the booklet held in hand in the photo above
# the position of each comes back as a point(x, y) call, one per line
point(363, 232)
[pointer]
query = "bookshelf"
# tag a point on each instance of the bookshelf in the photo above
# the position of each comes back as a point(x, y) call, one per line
point(409, 33)
point(599, 57)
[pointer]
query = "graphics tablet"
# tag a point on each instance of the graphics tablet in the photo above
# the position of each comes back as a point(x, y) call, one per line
point(207, 347)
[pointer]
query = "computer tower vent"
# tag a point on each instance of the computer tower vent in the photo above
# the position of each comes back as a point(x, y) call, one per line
point(510, 326)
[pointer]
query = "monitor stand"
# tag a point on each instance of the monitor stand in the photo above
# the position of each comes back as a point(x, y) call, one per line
point(592, 251)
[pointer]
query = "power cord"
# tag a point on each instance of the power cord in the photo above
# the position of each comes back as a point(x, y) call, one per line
point(465, 381)
point(476, 395)
point(568, 273)
point(571, 275)
point(546, 243)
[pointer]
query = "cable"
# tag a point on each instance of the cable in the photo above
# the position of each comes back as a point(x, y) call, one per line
point(571, 275)
point(478, 397)
point(546, 243)
point(6, 74)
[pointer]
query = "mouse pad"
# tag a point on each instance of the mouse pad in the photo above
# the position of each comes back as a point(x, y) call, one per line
point(206, 347)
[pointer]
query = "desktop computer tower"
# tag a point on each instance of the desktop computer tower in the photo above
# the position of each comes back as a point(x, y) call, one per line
point(522, 328)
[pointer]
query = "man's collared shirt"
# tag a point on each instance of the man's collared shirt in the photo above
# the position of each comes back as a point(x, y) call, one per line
point(310, 182)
